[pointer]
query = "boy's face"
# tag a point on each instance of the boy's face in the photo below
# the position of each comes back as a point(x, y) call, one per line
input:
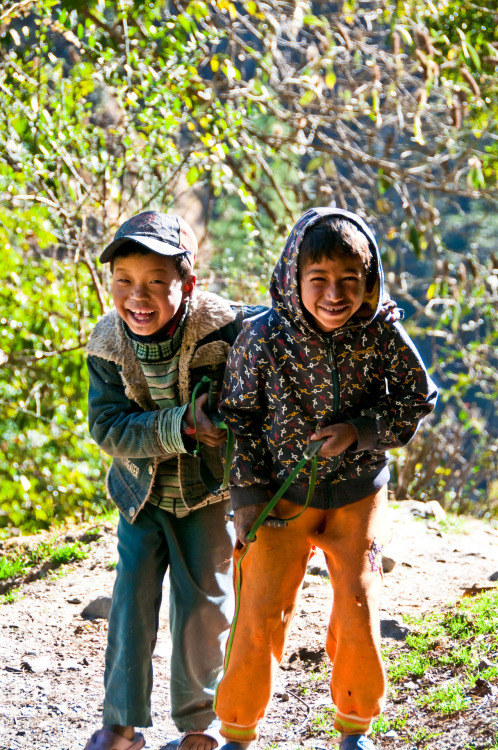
point(148, 291)
point(332, 290)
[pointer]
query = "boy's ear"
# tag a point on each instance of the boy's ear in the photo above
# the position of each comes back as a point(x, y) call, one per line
point(188, 287)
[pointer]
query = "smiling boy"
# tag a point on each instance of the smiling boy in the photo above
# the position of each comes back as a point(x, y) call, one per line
point(145, 358)
point(322, 364)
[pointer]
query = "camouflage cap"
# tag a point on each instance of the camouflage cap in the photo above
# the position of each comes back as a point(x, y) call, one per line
point(165, 234)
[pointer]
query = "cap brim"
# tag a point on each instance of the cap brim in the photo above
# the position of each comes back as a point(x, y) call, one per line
point(157, 246)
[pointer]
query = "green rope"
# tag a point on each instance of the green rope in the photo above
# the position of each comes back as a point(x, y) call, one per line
point(308, 455)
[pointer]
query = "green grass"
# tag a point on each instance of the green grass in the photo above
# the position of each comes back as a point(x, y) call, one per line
point(447, 699)
point(19, 561)
point(442, 654)
point(10, 597)
point(323, 722)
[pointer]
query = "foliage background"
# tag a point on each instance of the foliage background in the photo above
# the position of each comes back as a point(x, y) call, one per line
point(240, 116)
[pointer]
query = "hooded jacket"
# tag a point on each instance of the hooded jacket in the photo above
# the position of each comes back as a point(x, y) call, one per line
point(127, 424)
point(286, 379)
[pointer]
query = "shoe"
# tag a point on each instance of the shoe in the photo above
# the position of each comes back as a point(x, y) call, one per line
point(213, 733)
point(356, 742)
point(106, 738)
point(235, 745)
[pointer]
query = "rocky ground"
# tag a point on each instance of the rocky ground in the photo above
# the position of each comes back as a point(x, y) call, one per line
point(51, 656)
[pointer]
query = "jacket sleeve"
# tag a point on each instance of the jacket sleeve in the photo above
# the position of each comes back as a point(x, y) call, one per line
point(410, 395)
point(120, 427)
point(243, 410)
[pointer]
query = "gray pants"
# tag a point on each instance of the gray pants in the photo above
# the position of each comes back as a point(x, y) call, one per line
point(198, 551)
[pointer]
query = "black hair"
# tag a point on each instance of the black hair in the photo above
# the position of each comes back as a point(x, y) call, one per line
point(331, 236)
point(182, 265)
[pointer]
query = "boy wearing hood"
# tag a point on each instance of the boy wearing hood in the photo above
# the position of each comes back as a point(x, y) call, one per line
point(322, 364)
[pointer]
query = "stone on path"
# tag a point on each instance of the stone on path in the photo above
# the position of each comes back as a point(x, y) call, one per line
point(394, 628)
point(36, 664)
point(98, 609)
point(430, 509)
point(388, 564)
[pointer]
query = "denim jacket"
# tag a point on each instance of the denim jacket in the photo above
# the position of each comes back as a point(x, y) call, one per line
point(126, 423)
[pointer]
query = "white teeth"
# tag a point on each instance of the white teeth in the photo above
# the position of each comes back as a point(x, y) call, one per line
point(142, 313)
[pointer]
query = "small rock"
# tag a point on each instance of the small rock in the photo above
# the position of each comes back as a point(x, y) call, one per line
point(70, 664)
point(318, 570)
point(484, 664)
point(58, 708)
point(390, 733)
point(435, 509)
point(98, 609)
point(431, 509)
point(483, 687)
point(410, 685)
point(36, 664)
point(394, 628)
point(285, 697)
point(493, 576)
point(73, 600)
point(307, 582)
point(388, 564)
point(161, 651)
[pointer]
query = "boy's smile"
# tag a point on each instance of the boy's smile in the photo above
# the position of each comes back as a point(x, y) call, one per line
point(332, 290)
point(148, 291)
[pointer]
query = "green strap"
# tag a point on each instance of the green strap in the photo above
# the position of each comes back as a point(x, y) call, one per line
point(309, 453)
point(202, 382)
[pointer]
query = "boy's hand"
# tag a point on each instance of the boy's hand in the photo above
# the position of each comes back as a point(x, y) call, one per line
point(244, 518)
point(390, 309)
point(207, 432)
point(339, 438)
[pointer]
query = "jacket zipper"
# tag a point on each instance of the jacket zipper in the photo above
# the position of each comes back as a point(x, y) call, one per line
point(335, 377)
point(335, 407)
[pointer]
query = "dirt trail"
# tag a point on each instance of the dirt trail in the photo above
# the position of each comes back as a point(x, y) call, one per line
point(58, 704)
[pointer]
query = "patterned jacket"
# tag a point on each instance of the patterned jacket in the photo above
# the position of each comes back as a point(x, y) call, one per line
point(285, 379)
point(125, 421)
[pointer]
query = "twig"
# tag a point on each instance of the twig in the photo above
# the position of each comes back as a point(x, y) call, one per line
point(30, 413)
point(308, 711)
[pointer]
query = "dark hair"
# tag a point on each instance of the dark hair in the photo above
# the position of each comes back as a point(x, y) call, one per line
point(182, 265)
point(331, 236)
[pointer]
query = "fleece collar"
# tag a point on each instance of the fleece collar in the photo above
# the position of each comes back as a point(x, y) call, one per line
point(207, 312)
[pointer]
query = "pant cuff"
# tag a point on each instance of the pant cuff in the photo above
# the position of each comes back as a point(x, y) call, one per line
point(352, 724)
point(237, 733)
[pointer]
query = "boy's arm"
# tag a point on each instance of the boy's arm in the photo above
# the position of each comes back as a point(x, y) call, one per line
point(242, 408)
point(394, 419)
point(120, 427)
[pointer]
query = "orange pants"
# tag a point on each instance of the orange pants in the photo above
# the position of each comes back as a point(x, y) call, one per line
point(270, 575)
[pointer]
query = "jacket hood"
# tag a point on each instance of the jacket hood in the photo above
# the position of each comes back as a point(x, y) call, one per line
point(284, 286)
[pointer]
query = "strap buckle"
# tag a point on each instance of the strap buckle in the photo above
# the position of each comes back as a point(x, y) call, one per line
point(313, 447)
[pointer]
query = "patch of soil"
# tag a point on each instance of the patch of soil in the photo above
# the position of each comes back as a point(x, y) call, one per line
point(52, 660)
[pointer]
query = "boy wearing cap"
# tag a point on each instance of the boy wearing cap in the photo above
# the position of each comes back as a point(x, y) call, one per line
point(145, 358)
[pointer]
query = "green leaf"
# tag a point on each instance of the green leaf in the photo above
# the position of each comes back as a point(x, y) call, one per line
point(415, 240)
point(307, 97)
